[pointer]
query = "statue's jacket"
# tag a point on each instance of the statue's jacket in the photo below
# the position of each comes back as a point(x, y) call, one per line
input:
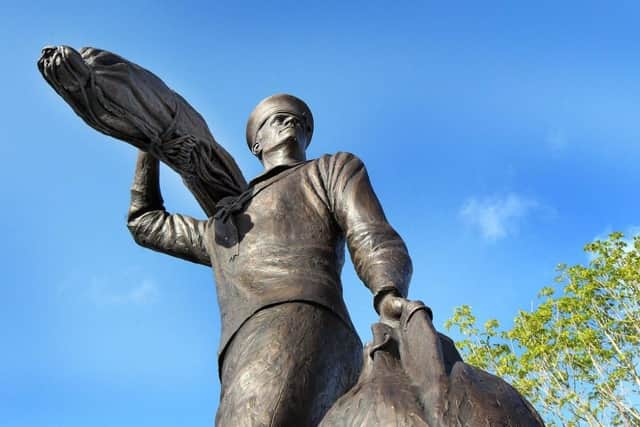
point(283, 239)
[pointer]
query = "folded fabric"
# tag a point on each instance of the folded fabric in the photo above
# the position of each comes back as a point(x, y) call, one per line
point(125, 101)
point(412, 376)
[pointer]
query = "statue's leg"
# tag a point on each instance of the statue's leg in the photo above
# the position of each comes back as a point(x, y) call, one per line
point(286, 366)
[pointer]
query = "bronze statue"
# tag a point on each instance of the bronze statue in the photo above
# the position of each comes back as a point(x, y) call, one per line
point(277, 250)
point(288, 348)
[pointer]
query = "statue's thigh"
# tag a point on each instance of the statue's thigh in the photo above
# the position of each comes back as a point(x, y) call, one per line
point(286, 366)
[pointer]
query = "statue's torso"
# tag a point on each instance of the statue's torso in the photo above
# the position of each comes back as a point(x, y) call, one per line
point(283, 245)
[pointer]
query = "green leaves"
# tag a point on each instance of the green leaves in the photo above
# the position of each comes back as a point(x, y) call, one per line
point(576, 355)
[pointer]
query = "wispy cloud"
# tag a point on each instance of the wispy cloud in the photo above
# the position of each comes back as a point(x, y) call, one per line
point(111, 289)
point(497, 217)
point(102, 292)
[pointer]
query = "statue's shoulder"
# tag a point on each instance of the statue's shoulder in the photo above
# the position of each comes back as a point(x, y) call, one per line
point(335, 170)
point(338, 160)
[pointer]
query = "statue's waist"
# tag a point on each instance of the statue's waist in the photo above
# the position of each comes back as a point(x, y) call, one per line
point(239, 300)
point(279, 260)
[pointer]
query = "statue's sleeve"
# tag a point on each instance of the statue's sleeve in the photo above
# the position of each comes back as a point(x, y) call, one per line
point(379, 255)
point(153, 227)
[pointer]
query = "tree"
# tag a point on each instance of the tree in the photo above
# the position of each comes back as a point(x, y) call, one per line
point(576, 355)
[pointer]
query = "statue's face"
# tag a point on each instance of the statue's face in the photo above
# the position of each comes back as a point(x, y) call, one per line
point(282, 129)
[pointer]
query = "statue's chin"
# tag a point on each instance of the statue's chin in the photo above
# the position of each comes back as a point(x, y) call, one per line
point(286, 143)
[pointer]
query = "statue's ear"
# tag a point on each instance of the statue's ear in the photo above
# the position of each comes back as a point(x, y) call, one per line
point(256, 149)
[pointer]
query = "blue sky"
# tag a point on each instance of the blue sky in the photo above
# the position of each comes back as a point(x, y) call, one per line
point(499, 137)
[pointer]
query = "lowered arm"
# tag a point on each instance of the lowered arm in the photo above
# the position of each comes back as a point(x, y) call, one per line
point(379, 255)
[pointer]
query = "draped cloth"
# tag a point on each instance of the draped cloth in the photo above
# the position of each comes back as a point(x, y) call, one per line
point(125, 101)
point(412, 376)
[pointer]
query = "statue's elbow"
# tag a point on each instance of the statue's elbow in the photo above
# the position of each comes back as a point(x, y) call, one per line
point(138, 237)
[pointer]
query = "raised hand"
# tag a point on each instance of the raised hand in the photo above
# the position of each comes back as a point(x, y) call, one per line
point(63, 66)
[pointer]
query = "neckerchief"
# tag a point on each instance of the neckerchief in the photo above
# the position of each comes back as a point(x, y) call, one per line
point(230, 205)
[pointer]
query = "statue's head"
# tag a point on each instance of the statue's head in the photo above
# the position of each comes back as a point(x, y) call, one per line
point(279, 122)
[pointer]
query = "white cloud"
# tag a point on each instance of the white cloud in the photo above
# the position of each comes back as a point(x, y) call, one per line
point(497, 217)
point(102, 292)
point(114, 288)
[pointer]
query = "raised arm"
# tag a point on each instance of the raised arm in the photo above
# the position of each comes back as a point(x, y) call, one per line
point(379, 255)
point(153, 227)
point(126, 101)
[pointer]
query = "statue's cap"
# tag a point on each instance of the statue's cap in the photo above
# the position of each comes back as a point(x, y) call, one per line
point(279, 103)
